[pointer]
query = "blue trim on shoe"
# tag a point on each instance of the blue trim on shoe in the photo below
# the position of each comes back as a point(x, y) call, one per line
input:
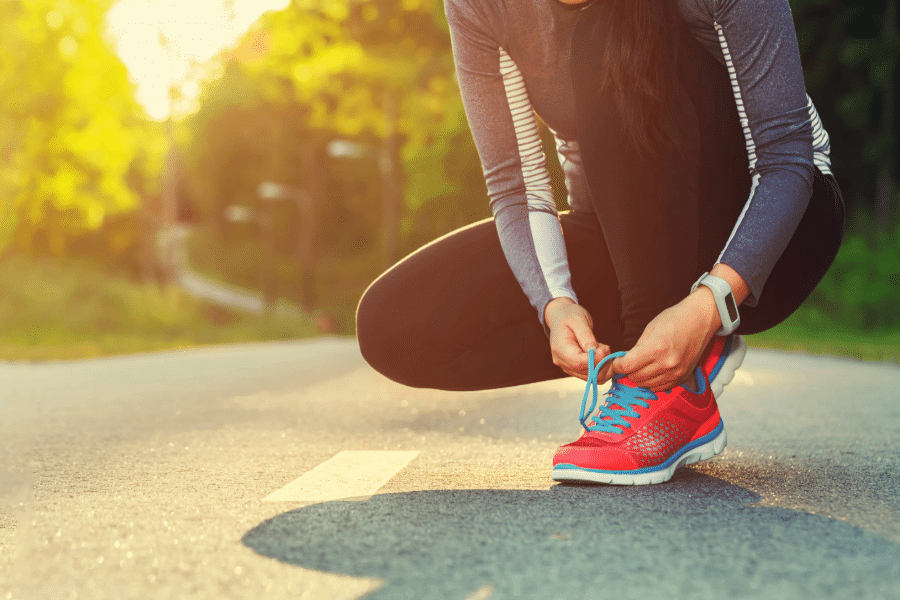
point(719, 363)
point(698, 442)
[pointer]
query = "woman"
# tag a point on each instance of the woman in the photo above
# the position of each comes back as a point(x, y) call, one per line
point(689, 146)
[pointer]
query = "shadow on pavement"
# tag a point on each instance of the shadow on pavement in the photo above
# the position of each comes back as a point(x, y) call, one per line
point(694, 537)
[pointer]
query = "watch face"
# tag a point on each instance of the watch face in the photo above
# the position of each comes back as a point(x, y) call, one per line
point(732, 309)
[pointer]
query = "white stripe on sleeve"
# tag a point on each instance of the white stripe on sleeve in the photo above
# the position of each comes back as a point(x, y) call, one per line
point(543, 223)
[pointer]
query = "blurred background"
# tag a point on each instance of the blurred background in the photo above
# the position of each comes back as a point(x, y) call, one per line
point(184, 173)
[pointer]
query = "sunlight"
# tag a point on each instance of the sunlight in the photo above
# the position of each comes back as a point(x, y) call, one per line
point(195, 32)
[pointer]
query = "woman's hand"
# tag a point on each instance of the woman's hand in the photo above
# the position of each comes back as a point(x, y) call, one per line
point(571, 336)
point(672, 343)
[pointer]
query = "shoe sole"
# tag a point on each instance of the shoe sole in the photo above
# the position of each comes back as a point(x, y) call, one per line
point(723, 373)
point(686, 456)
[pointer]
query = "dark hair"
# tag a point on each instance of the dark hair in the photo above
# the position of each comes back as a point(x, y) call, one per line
point(639, 68)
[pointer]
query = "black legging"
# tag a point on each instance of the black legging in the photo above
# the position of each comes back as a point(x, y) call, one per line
point(452, 316)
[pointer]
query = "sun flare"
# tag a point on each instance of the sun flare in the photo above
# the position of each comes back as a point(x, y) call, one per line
point(160, 40)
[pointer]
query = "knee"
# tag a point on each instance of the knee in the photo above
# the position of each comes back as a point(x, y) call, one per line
point(371, 334)
point(381, 338)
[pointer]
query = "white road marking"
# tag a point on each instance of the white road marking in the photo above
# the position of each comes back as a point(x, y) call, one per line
point(348, 474)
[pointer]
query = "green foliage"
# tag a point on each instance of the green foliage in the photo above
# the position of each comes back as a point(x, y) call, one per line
point(862, 288)
point(810, 330)
point(70, 128)
point(240, 138)
point(850, 51)
point(237, 139)
point(445, 187)
point(326, 70)
point(344, 56)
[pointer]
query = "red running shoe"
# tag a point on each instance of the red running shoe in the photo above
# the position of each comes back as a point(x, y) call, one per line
point(639, 437)
point(724, 358)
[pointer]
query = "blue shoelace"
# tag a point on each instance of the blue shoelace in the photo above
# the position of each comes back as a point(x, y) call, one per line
point(620, 403)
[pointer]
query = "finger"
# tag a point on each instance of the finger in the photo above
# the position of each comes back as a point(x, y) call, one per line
point(607, 371)
point(665, 380)
point(668, 379)
point(655, 371)
point(659, 384)
point(636, 359)
point(581, 376)
point(574, 373)
point(576, 355)
point(570, 358)
point(584, 336)
point(600, 353)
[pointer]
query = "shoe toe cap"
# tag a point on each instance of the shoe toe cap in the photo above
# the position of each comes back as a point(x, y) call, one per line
point(604, 458)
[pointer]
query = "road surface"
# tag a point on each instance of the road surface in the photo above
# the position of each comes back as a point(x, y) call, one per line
point(292, 470)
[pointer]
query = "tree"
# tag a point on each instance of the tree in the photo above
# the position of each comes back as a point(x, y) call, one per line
point(365, 69)
point(850, 51)
point(70, 128)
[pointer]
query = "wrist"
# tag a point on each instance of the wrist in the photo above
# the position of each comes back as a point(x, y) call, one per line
point(739, 288)
point(705, 307)
point(553, 307)
point(724, 298)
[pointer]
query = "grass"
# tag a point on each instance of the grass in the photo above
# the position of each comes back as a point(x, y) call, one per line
point(68, 309)
point(808, 331)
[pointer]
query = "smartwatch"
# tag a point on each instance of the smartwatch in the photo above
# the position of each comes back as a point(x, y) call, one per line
point(728, 311)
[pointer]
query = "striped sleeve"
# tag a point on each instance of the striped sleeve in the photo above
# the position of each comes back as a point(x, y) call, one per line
point(505, 131)
point(759, 45)
point(821, 140)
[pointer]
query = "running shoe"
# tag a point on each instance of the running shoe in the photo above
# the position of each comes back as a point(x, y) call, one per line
point(724, 358)
point(640, 437)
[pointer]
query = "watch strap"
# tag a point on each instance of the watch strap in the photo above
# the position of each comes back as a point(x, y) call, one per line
point(725, 303)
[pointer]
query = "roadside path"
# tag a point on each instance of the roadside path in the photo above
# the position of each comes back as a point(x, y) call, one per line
point(204, 288)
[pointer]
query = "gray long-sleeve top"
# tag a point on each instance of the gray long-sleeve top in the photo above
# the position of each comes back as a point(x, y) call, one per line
point(512, 61)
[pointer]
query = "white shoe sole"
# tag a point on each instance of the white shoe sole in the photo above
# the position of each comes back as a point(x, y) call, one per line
point(732, 363)
point(694, 455)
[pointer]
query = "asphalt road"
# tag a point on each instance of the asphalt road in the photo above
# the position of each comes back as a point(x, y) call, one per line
point(159, 476)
